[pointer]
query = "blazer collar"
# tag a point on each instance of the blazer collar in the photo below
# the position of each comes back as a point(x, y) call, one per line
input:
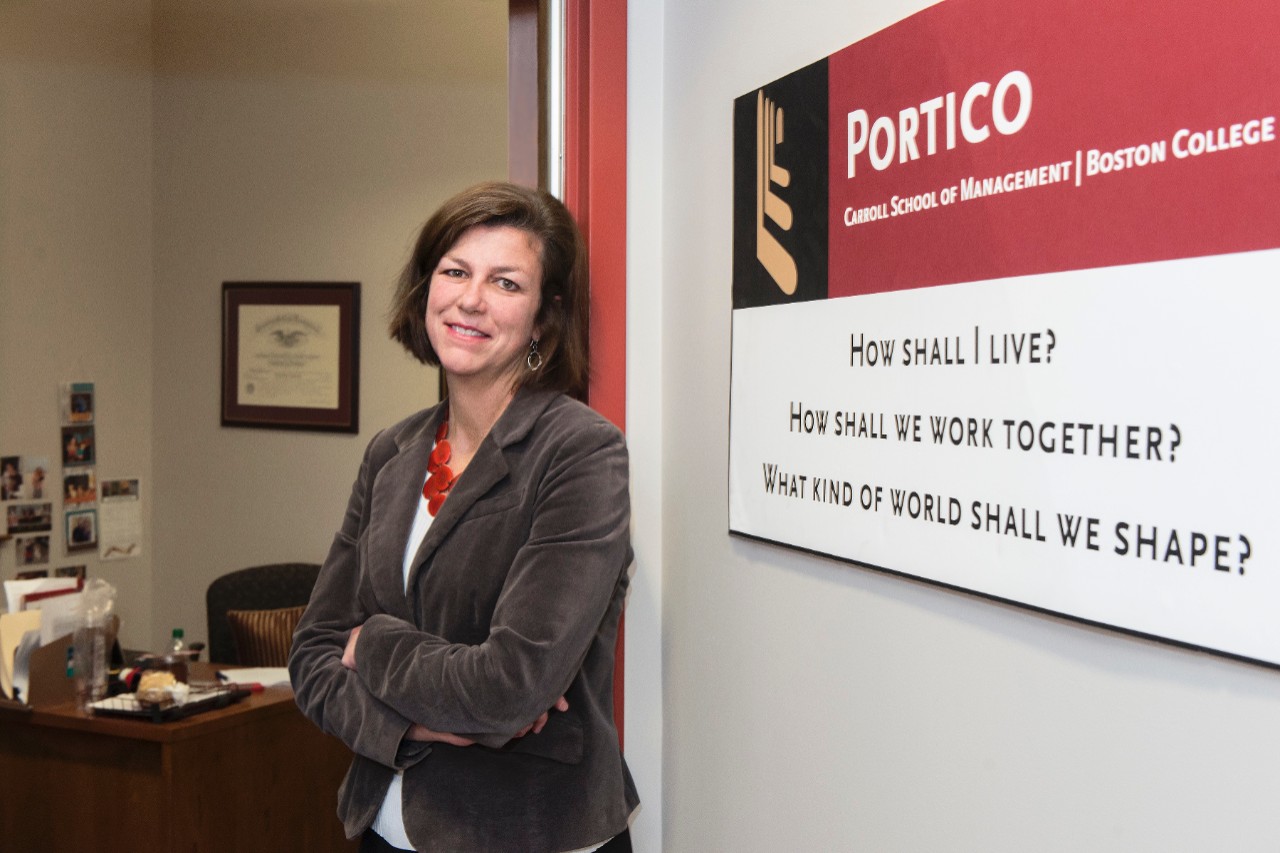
point(521, 414)
point(397, 488)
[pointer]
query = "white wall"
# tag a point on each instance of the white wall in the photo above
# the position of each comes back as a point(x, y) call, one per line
point(75, 251)
point(644, 707)
point(296, 140)
point(812, 705)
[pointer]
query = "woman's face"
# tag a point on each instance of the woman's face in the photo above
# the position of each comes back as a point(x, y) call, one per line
point(484, 297)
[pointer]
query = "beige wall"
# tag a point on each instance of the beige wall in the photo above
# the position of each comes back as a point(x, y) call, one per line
point(172, 146)
point(76, 251)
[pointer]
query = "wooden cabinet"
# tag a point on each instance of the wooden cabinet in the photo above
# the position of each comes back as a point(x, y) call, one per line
point(254, 776)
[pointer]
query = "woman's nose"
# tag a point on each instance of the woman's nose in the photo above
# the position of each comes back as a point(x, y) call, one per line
point(472, 296)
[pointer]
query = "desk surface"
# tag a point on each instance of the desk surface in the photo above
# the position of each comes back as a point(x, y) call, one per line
point(247, 711)
point(255, 775)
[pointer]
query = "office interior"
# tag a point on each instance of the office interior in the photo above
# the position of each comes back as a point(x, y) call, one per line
point(151, 150)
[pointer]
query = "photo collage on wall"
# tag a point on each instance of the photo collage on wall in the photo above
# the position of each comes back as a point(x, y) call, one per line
point(79, 453)
point(29, 491)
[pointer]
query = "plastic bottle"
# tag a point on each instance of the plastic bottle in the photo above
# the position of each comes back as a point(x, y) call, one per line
point(179, 656)
point(89, 663)
point(90, 641)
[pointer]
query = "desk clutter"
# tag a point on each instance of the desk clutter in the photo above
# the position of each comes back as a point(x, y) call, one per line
point(56, 654)
point(155, 689)
point(58, 643)
point(62, 623)
point(174, 705)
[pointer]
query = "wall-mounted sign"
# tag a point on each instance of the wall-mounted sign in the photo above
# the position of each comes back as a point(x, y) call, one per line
point(1004, 290)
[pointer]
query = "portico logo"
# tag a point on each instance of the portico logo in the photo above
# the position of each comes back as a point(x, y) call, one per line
point(780, 191)
point(769, 135)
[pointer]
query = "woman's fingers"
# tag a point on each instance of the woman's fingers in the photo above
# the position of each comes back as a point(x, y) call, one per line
point(349, 653)
point(561, 705)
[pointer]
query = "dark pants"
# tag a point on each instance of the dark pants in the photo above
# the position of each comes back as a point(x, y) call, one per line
point(372, 842)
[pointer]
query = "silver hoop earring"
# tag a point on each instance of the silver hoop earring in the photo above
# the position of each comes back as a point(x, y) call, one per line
point(534, 359)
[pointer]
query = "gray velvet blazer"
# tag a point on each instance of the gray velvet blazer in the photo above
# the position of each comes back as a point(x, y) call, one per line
point(513, 600)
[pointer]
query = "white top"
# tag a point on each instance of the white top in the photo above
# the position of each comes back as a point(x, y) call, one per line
point(389, 822)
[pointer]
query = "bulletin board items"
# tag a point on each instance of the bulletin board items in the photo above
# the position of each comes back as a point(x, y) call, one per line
point(1002, 288)
point(32, 489)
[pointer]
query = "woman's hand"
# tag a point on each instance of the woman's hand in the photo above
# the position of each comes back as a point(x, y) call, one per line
point(419, 732)
point(349, 653)
point(422, 733)
point(537, 725)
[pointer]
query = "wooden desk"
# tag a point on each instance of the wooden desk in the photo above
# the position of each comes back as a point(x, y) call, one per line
point(255, 776)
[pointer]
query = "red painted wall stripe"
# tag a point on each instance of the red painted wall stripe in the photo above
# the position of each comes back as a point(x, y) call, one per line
point(596, 193)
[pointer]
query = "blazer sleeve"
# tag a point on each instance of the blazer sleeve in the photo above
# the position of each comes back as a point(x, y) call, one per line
point(553, 600)
point(329, 694)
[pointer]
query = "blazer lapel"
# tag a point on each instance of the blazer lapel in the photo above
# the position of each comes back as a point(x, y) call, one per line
point(394, 502)
point(487, 468)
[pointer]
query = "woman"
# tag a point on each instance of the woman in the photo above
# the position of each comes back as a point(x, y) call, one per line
point(460, 638)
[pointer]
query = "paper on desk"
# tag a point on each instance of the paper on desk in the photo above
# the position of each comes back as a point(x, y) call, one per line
point(12, 627)
point(61, 615)
point(267, 676)
point(22, 666)
point(16, 591)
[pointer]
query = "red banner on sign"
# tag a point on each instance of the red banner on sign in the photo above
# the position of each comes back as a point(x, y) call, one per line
point(1074, 135)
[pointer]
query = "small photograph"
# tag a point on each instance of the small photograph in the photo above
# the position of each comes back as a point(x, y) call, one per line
point(36, 472)
point(77, 445)
point(69, 572)
point(29, 518)
point(31, 574)
point(32, 550)
point(82, 529)
point(119, 489)
point(10, 478)
point(79, 486)
point(77, 402)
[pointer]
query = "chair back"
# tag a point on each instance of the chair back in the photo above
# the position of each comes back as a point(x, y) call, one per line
point(267, 587)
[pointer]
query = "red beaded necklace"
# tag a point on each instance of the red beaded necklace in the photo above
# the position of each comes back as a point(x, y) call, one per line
point(441, 478)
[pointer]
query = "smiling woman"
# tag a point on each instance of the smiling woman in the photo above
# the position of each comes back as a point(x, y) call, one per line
point(460, 639)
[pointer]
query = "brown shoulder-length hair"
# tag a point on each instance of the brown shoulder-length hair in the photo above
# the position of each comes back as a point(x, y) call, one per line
point(564, 310)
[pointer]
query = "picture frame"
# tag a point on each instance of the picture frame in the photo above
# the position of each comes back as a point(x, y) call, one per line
point(81, 529)
point(29, 518)
point(77, 403)
point(79, 486)
point(78, 445)
point(291, 355)
point(32, 551)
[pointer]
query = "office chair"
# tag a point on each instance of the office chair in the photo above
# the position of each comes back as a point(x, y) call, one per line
point(265, 591)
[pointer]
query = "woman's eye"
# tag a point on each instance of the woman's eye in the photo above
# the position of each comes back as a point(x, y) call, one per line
point(507, 284)
point(452, 273)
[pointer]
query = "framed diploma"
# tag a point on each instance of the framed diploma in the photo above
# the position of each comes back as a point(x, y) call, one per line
point(290, 355)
